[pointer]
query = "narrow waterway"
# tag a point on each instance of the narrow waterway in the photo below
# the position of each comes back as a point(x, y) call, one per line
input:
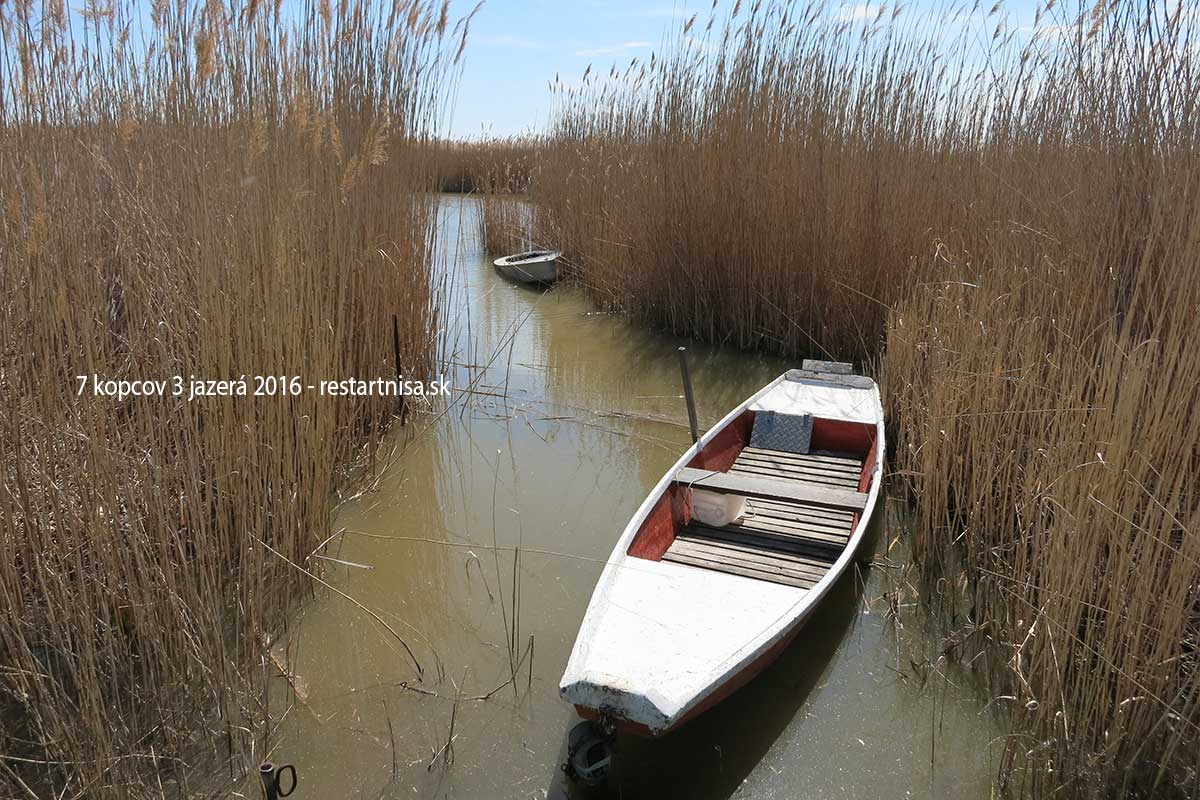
point(573, 416)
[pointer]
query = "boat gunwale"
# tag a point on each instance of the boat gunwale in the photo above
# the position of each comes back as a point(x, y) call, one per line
point(527, 257)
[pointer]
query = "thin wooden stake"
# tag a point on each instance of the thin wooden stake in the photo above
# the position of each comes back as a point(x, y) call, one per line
point(687, 394)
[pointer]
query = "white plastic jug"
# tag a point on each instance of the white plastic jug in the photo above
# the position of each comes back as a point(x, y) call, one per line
point(717, 509)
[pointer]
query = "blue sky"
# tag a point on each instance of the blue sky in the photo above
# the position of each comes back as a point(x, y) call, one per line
point(516, 47)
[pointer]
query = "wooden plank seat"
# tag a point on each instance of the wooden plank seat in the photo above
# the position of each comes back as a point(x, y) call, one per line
point(772, 488)
point(831, 367)
point(834, 475)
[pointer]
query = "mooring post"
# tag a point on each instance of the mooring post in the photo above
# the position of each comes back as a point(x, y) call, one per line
point(266, 773)
point(687, 394)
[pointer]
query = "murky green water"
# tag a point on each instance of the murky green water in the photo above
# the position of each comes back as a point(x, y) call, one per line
point(555, 450)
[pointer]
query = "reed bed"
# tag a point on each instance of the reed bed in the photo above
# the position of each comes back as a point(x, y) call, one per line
point(506, 223)
point(498, 165)
point(1053, 442)
point(1001, 216)
point(208, 191)
point(769, 181)
point(1045, 386)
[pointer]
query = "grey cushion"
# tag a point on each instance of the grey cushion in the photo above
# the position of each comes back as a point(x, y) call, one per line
point(791, 433)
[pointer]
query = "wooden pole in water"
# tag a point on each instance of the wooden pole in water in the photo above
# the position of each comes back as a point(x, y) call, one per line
point(687, 394)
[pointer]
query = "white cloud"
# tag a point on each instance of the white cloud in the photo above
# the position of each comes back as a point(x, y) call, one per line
point(607, 51)
point(861, 11)
point(1050, 32)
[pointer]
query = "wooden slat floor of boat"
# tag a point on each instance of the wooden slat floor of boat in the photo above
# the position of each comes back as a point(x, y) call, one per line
point(812, 565)
point(770, 540)
point(748, 562)
point(843, 473)
point(833, 481)
point(793, 512)
point(783, 540)
point(841, 481)
point(823, 535)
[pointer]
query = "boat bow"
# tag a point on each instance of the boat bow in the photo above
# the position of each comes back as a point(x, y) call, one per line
point(665, 637)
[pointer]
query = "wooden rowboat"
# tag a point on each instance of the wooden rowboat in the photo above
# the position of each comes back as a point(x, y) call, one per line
point(685, 612)
point(534, 266)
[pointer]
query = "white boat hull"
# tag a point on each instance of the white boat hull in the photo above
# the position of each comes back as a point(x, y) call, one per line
point(663, 641)
point(541, 269)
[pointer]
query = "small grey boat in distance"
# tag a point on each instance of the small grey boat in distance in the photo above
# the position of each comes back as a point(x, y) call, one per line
point(533, 266)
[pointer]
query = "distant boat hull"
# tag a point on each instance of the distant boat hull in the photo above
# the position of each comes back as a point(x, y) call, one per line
point(535, 266)
point(688, 612)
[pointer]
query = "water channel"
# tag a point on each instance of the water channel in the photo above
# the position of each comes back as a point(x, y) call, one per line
point(572, 418)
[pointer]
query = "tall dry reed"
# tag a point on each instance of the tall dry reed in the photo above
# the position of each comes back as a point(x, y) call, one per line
point(1046, 390)
point(209, 191)
point(767, 181)
point(1006, 211)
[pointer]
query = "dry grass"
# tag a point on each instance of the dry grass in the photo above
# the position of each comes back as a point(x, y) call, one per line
point(1013, 225)
point(215, 194)
point(500, 171)
point(1046, 391)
